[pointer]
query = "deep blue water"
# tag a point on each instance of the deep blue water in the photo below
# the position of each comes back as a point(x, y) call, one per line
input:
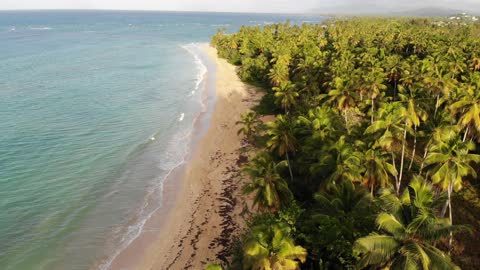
point(96, 108)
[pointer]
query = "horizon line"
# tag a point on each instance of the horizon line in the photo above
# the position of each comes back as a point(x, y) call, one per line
point(163, 10)
point(399, 13)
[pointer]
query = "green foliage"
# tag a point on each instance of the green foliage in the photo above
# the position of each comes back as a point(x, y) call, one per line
point(378, 169)
point(362, 103)
point(328, 230)
point(409, 230)
point(453, 160)
point(271, 191)
point(249, 123)
point(286, 95)
point(213, 266)
point(253, 69)
point(270, 246)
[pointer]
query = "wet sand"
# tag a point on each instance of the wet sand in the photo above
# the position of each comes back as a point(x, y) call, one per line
point(205, 214)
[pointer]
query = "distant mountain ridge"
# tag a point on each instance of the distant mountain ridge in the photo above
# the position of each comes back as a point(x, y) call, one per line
point(430, 12)
point(419, 12)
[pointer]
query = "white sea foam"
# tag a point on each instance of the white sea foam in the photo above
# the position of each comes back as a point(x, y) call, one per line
point(43, 28)
point(202, 69)
point(134, 230)
point(13, 29)
point(174, 156)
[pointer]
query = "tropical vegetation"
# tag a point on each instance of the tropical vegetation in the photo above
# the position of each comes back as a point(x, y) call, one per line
point(376, 133)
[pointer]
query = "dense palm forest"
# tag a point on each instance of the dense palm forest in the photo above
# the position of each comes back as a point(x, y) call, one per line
point(377, 123)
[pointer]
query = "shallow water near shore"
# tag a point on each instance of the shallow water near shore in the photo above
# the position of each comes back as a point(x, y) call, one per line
point(97, 109)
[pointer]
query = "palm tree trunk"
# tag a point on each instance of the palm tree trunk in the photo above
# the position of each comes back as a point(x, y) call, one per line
point(450, 189)
point(345, 116)
point(395, 167)
point(373, 110)
point(395, 90)
point(436, 106)
point(370, 176)
point(466, 133)
point(425, 153)
point(444, 210)
point(289, 167)
point(414, 148)
point(402, 158)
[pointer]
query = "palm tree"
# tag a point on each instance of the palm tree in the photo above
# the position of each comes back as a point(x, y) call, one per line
point(452, 162)
point(270, 246)
point(437, 79)
point(456, 60)
point(434, 134)
point(348, 163)
point(392, 123)
point(344, 199)
point(468, 107)
point(271, 190)
point(374, 82)
point(279, 73)
point(407, 119)
point(394, 68)
point(409, 230)
point(411, 71)
point(286, 95)
point(341, 214)
point(414, 114)
point(249, 122)
point(322, 122)
point(282, 139)
point(378, 169)
point(342, 96)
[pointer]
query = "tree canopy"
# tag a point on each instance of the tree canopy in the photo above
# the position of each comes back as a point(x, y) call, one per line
point(378, 123)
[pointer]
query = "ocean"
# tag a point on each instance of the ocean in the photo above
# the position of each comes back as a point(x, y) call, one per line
point(96, 110)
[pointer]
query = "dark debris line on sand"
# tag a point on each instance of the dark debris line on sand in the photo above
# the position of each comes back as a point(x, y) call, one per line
point(228, 202)
point(189, 232)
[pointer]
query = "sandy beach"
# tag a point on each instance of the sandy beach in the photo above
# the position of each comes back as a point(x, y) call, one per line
point(205, 215)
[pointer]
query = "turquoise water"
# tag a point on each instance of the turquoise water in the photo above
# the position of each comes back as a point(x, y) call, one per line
point(96, 108)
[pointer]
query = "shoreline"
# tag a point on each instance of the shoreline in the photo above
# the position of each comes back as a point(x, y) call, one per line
point(126, 256)
point(202, 213)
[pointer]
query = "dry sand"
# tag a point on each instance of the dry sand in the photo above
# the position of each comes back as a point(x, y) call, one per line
point(206, 214)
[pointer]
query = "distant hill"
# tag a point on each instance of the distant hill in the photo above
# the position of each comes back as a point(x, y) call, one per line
point(429, 12)
point(420, 12)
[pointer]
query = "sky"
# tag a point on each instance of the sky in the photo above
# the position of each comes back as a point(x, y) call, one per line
point(282, 6)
